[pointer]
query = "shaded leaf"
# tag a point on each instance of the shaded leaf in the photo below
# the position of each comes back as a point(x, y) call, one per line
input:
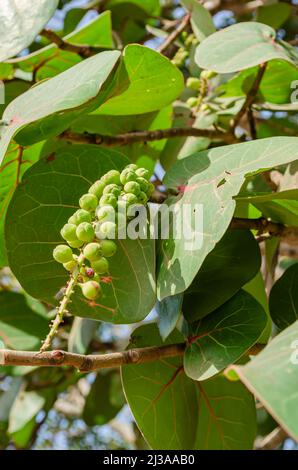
point(81, 334)
point(201, 20)
point(224, 336)
point(272, 377)
point(231, 264)
point(283, 300)
point(20, 327)
point(169, 311)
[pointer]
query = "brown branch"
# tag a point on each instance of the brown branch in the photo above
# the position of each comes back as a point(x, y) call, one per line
point(174, 35)
point(97, 361)
point(250, 97)
point(83, 51)
point(263, 225)
point(272, 440)
point(144, 136)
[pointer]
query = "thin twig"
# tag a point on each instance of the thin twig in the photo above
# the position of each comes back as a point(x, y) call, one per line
point(263, 225)
point(174, 35)
point(83, 51)
point(273, 440)
point(144, 136)
point(86, 363)
point(250, 97)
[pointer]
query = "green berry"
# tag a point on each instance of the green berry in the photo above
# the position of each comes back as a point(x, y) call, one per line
point(101, 266)
point(130, 199)
point(108, 248)
point(150, 190)
point(112, 189)
point(144, 185)
point(192, 102)
point(82, 216)
point(76, 243)
point(143, 198)
point(143, 173)
point(91, 290)
point(63, 254)
point(193, 83)
point(70, 265)
point(127, 175)
point(108, 230)
point(97, 188)
point(68, 232)
point(132, 167)
point(85, 232)
point(112, 177)
point(132, 187)
point(122, 205)
point(106, 214)
point(72, 220)
point(92, 251)
point(207, 74)
point(108, 200)
point(88, 202)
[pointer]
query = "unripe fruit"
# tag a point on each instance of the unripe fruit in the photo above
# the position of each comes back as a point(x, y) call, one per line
point(132, 167)
point(122, 206)
point(101, 266)
point(132, 187)
point(143, 198)
point(112, 189)
point(97, 188)
point(112, 177)
point(143, 173)
point(70, 266)
point(68, 232)
point(130, 199)
point(127, 175)
point(76, 244)
point(108, 230)
point(108, 200)
point(108, 248)
point(207, 74)
point(81, 216)
point(192, 102)
point(150, 190)
point(91, 290)
point(85, 232)
point(193, 83)
point(106, 214)
point(92, 251)
point(88, 202)
point(144, 185)
point(63, 254)
point(72, 220)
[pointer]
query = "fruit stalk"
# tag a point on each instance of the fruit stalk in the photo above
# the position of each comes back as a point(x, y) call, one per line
point(63, 305)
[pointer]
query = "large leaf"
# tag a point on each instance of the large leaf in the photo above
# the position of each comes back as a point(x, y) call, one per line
point(104, 400)
point(49, 108)
point(19, 24)
point(280, 207)
point(283, 300)
point(51, 60)
point(16, 162)
point(224, 336)
point(234, 261)
point(20, 327)
point(241, 46)
point(201, 20)
point(274, 15)
point(212, 178)
point(42, 204)
point(173, 412)
point(272, 377)
point(146, 81)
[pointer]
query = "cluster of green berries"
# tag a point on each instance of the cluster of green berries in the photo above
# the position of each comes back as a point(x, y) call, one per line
point(181, 56)
point(198, 85)
point(113, 191)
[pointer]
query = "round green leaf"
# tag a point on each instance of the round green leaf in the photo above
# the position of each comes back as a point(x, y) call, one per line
point(283, 300)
